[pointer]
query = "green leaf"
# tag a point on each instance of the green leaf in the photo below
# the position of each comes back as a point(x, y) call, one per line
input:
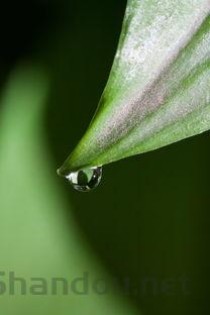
point(38, 240)
point(158, 91)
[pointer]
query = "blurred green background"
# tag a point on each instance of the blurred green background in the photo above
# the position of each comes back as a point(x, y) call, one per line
point(142, 237)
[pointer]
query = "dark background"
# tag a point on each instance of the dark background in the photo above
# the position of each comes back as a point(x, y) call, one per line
point(148, 222)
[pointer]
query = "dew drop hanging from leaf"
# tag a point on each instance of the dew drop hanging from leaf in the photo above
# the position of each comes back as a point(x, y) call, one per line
point(84, 180)
point(158, 89)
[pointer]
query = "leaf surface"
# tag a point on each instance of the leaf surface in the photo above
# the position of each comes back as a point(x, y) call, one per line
point(158, 91)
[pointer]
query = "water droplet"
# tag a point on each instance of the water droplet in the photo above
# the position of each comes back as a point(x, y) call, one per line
point(85, 179)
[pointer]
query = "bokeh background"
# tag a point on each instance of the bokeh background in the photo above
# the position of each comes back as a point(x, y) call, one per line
point(140, 242)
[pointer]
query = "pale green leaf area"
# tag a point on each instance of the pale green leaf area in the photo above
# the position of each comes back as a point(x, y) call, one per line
point(158, 90)
point(36, 238)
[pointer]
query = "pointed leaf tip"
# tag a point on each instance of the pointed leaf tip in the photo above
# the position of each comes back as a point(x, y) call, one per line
point(158, 90)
